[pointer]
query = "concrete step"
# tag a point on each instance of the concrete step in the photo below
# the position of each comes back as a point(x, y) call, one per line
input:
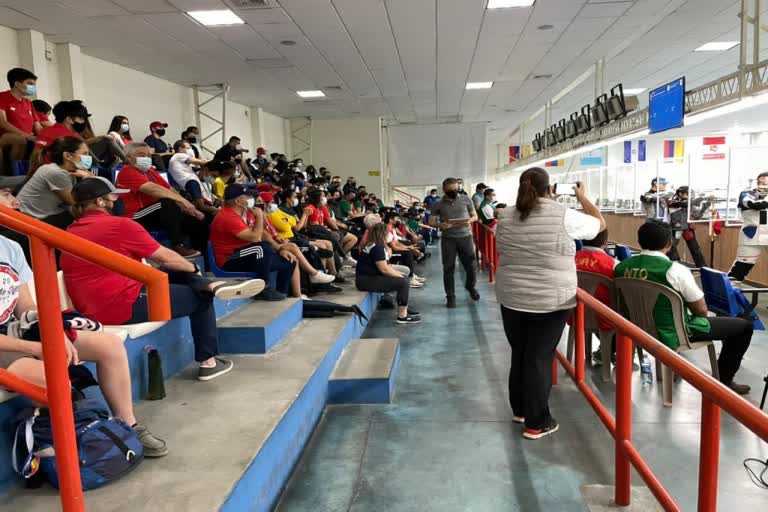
point(365, 373)
point(233, 441)
point(258, 326)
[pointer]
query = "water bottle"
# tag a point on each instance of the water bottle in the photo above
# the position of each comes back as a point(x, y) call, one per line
point(156, 385)
point(646, 375)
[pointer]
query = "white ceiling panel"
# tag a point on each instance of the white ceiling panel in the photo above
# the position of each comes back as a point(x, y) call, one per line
point(144, 6)
point(605, 9)
point(94, 8)
point(413, 25)
point(198, 5)
point(246, 41)
point(264, 16)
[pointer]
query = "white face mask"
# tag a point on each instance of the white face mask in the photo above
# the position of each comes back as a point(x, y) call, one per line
point(143, 163)
point(296, 202)
point(238, 147)
point(251, 202)
point(272, 208)
point(190, 152)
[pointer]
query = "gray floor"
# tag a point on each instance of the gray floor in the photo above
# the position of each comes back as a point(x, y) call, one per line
point(447, 442)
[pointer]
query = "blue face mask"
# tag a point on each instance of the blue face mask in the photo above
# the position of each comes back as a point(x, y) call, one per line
point(31, 90)
point(85, 162)
point(143, 163)
point(209, 179)
point(125, 128)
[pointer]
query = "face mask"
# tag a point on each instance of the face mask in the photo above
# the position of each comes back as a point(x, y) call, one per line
point(272, 208)
point(461, 187)
point(109, 206)
point(238, 147)
point(160, 132)
point(78, 127)
point(251, 202)
point(190, 152)
point(209, 179)
point(295, 202)
point(84, 163)
point(30, 90)
point(433, 194)
point(452, 193)
point(143, 163)
point(125, 128)
point(192, 138)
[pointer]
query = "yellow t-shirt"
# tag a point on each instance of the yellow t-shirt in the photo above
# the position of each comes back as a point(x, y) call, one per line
point(283, 223)
point(217, 187)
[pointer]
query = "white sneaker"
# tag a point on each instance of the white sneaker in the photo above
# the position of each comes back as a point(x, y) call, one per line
point(350, 261)
point(416, 284)
point(321, 278)
point(419, 279)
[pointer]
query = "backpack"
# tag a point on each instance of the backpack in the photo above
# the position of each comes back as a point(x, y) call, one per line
point(108, 448)
point(325, 309)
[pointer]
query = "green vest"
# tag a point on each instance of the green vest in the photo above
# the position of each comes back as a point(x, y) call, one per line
point(481, 215)
point(654, 268)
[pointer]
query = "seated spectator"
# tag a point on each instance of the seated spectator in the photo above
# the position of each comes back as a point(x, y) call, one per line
point(407, 254)
point(160, 150)
point(43, 109)
point(593, 258)
point(9, 201)
point(432, 198)
point(349, 207)
point(229, 150)
point(374, 274)
point(320, 225)
point(652, 264)
point(23, 358)
point(113, 299)
point(261, 158)
point(181, 167)
point(18, 120)
point(155, 205)
point(350, 185)
point(416, 225)
point(239, 244)
point(120, 131)
point(192, 135)
point(48, 193)
point(487, 211)
point(226, 171)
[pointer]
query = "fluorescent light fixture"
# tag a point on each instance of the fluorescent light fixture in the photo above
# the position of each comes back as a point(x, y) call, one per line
point(717, 46)
point(635, 92)
point(216, 18)
point(311, 94)
point(479, 85)
point(503, 4)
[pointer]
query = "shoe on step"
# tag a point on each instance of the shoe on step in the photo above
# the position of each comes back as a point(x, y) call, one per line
point(186, 252)
point(474, 294)
point(350, 261)
point(245, 289)
point(321, 278)
point(414, 313)
point(270, 294)
point(221, 367)
point(550, 428)
point(451, 303)
point(739, 389)
point(408, 320)
point(153, 446)
point(416, 284)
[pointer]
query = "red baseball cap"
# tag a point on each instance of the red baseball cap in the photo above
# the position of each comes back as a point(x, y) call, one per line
point(265, 187)
point(267, 197)
point(157, 124)
point(261, 151)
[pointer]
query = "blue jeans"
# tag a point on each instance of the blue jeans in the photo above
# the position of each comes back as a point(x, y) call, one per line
point(261, 259)
point(191, 298)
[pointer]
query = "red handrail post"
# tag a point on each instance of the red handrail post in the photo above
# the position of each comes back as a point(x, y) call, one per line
point(491, 255)
point(578, 326)
point(57, 376)
point(623, 416)
point(709, 455)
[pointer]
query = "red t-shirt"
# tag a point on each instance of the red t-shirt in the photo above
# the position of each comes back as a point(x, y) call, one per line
point(19, 113)
point(224, 229)
point(317, 215)
point(96, 292)
point(50, 134)
point(598, 262)
point(132, 179)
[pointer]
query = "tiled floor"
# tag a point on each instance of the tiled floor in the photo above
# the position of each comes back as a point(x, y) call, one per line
point(447, 442)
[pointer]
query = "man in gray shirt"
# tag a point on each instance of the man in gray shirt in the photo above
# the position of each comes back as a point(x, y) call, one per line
point(453, 214)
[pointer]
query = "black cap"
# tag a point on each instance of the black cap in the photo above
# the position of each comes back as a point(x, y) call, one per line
point(92, 188)
point(235, 190)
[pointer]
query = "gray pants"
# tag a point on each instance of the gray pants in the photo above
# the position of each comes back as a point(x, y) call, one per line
point(465, 249)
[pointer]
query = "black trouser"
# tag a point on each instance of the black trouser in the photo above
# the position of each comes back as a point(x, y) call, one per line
point(736, 334)
point(465, 248)
point(167, 216)
point(404, 258)
point(384, 284)
point(191, 298)
point(533, 338)
point(693, 248)
point(261, 259)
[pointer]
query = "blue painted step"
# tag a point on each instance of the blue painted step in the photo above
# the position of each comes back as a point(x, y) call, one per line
point(259, 326)
point(365, 373)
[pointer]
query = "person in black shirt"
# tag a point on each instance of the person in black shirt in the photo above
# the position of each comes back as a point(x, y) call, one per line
point(229, 151)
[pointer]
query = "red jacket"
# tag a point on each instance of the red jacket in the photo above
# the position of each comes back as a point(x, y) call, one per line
point(596, 260)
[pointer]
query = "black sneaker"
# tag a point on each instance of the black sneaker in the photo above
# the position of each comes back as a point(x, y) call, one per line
point(270, 294)
point(597, 357)
point(451, 303)
point(211, 372)
point(329, 288)
point(550, 428)
point(474, 294)
point(340, 280)
point(413, 312)
point(410, 319)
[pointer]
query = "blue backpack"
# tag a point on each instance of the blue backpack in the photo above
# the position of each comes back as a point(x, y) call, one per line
point(108, 448)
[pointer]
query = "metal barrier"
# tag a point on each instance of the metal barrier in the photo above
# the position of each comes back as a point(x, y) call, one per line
point(485, 248)
point(43, 239)
point(715, 397)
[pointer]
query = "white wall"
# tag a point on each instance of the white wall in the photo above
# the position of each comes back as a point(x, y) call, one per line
point(274, 134)
point(9, 51)
point(350, 147)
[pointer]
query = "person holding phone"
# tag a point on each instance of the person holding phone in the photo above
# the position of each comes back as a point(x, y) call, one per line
point(453, 214)
point(536, 287)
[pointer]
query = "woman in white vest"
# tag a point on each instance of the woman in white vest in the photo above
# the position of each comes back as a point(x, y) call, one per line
point(536, 287)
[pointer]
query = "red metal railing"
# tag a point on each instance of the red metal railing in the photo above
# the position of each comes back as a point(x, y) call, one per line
point(715, 397)
point(485, 248)
point(403, 195)
point(44, 238)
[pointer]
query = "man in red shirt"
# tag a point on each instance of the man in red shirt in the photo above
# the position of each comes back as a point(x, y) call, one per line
point(593, 258)
point(238, 236)
point(152, 202)
point(113, 299)
point(18, 120)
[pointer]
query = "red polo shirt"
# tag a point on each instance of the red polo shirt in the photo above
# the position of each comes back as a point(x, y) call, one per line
point(224, 229)
point(597, 261)
point(317, 215)
point(19, 113)
point(132, 179)
point(50, 134)
point(96, 292)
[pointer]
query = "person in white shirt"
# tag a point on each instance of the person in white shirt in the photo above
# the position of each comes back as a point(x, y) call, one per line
point(183, 169)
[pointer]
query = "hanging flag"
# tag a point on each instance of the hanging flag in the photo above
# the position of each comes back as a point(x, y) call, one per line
point(641, 151)
point(514, 153)
point(674, 149)
point(714, 148)
point(555, 163)
point(634, 151)
point(627, 151)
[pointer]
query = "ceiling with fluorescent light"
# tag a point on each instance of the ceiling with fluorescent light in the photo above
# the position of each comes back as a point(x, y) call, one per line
point(404, 60)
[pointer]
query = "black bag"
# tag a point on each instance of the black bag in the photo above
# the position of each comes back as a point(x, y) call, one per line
point(326, 309)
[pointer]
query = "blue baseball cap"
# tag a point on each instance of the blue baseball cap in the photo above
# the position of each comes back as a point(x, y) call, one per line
point(235, 190)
